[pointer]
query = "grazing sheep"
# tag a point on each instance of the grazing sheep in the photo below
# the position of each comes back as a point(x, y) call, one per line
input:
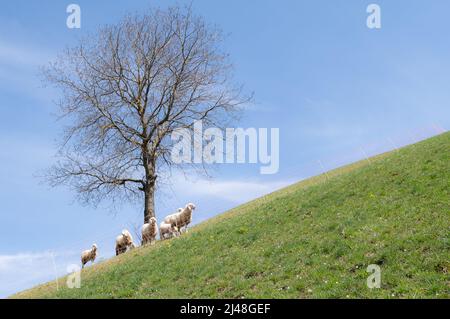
point(149, 231)
point(88, 255)
point(123, 242)
point(182, 218)
point(167, 231)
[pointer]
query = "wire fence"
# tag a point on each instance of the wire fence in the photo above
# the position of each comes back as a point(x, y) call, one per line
point(106, 240)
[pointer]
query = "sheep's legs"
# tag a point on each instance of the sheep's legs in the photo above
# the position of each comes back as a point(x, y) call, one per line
point(144, 240)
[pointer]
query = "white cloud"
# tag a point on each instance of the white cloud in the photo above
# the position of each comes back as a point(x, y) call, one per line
point(10, 262)
point(24, 270)
point(235, 190)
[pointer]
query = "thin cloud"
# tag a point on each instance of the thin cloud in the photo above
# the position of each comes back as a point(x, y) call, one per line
point(22, 56)
point(23, 270)
point(236, 190)
point(19, 69)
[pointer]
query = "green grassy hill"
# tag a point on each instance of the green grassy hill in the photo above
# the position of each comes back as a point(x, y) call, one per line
point(312, 239)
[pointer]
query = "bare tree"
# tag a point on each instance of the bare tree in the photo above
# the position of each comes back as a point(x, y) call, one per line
point(125, 90)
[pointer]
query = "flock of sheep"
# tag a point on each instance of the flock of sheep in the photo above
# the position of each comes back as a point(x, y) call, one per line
point(172, 226)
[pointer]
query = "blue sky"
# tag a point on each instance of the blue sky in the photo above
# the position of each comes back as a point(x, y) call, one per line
point(336, 89)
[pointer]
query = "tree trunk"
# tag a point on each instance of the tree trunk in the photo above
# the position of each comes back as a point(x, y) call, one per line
point(149, 207)
point(150, 181)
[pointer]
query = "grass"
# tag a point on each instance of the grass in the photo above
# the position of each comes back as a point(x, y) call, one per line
point(313, 239)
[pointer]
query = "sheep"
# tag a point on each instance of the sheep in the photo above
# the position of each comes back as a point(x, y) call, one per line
point(88, 255)
point(149, 231)
point(123, 242)
point(167, 231)
point(182, 218)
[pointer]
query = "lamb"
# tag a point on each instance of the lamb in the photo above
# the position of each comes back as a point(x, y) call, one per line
point(149, 231)
point(182, 218)
point(167, 231)
point(88, 255)
point(123, 242)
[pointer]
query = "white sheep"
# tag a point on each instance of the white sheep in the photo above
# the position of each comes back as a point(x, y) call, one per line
point(88, 255)
point(182, 218)
point(149, 231)
point(123, 242)
point(167, 231)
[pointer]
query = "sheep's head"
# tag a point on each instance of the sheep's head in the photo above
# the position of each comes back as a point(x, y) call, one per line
point(190, 206)
point(94, 247)
point(126, 234)
point(152, 221)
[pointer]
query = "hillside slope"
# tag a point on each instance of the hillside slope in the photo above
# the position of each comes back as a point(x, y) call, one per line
point(312, 239)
